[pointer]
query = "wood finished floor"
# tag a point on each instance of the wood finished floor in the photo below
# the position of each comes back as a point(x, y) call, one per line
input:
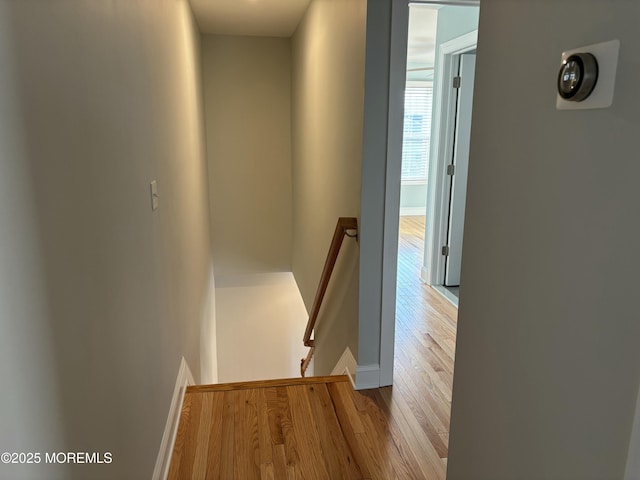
point(321, 428)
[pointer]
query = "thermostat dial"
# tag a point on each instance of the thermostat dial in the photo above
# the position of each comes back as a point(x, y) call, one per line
point(577, 77)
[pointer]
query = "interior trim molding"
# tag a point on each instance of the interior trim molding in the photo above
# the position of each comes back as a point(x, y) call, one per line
point(185, 378)
point(347, 365)
point(367, 376)
point(413, 211)
point(632, 470)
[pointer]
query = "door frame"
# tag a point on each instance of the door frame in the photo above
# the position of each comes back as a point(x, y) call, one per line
point(438, 191)
point(392, 183)
point(397, 79)
point(457, 185)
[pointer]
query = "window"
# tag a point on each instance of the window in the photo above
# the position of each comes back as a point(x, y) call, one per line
point(418, 99)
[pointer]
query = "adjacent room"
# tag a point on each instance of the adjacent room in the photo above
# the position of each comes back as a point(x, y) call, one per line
point(426, 299)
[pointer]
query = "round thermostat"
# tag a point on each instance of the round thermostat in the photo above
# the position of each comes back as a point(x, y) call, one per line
point(578, 76)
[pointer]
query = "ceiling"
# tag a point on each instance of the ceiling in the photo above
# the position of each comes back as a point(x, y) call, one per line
point(421, 49)
point(267, 18)
point(279, 18)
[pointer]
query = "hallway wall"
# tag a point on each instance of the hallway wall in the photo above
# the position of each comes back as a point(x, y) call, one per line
point(99, 296)
point(327, 120)
point(547, 360)
point(247, 90)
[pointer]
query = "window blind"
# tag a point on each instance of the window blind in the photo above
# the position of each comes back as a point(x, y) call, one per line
point(416, 137)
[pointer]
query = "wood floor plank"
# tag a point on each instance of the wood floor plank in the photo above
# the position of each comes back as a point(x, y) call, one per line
point(427, 457)
point(350, 434)
point(251, 439)
point(267, 471)
point(227, 454)
point(321, 400)
point(382, 452)
point(422, 393)
point(425, 417)
point(200, 461)
point(305, 428)
point(292, 456)
point(377, 466)
point(341, 391)
point(336, 453)
point(413, 470)
point(428, 323)
point(274, 415)
point(181, 438)
point(189, 451)
point(241, 452)
point(444, 359)
point(430, 340)
point(280, 468)
point(374, 447)
point(378, 422)
point(264, 430)
point(215, 437)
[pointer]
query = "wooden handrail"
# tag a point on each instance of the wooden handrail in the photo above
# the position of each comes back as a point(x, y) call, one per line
point(344, 224)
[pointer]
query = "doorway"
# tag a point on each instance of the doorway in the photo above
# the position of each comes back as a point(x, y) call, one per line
point(456, 26)
point(450, 139)
point(416, 143)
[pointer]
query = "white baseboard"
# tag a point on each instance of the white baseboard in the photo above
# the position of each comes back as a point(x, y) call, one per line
point(347, 365)
point(311, 369)
point(185, 378)
point(367, 376)
point(450, 297)
point(424, 275)
point(413, 211)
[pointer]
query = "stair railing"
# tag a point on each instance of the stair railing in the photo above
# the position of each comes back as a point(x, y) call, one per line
point(344, 225)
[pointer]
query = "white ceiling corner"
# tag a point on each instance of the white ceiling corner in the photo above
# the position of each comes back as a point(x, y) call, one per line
point(280, 18)
point(422, 35)
point(268, 18)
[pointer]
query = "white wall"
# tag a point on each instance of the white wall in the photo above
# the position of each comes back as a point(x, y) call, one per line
point(261, 322)
point(327, 106)
point(413, 198)
point(208, 338)
point(99, 297)
point(547, 359)
point(247, 91)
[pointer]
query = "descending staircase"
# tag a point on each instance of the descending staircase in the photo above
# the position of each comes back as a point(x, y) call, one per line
point(302, 428)
point(298, 428)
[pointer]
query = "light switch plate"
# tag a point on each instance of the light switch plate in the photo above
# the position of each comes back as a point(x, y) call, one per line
point(606, 54)
point(155, 198)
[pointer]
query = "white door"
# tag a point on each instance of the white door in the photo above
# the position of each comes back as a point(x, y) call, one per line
point(460, 163)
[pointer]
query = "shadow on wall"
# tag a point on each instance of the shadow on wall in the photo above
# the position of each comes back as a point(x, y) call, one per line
point(31, 418)
point(99, 297)
point(337, 325)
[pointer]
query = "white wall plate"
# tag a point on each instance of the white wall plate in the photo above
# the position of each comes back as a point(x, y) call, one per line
point(606, 54)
